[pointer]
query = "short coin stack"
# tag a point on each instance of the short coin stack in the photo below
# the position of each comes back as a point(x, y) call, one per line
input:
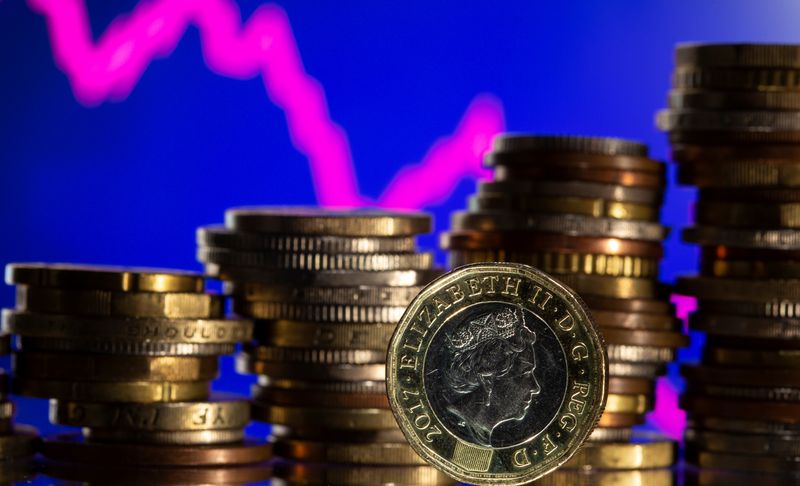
point(129, 355)
point(18, 443)
point(734, 126)
point(326, 289)
point(585, 211)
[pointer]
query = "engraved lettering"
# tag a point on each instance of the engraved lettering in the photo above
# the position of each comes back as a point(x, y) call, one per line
point(491, 281)
point(547, 445)
point(566, 323)
point(407, 361)
point(414, 346)
point(441, 305)
point(520, 458)
point(408, 393)
point(568, 422)
point(577, 403)
point(456, 293)
point(474, 287)
point(579, 351)
point(512, 286)
point(432, 431)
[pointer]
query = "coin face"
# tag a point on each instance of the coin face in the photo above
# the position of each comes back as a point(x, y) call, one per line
point(496, 374)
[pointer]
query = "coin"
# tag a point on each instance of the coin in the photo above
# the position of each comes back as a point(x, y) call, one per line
point(527, 242)
point(348, 453)
point(332, 418)
point(635, 320)
point(157, 475)
point(734, 174)
point(337, 387)
point(567, 144)
point(631, 477)
point(315, 356)
point(560, 263)
point(718, 100)
point(120, 347)
point(739, 289)
point(99, 367)
point(165, 437)
point(364, 295)
point(311, 371)
point(569, 224)
point(219, 237)
point(464, 429)
point(624, 404)
point(577, 189)
point(153, 330)
point(614, 287)
point(360, 262)
point(773, 445)
point(96, 277)
point(220, 413)
point(701, 406)
point(743, 426)
point(741, 376)
point(618, 384)
point(748, 215)
point(635, 370)
point(609, 434)
point(299, 398)
point(723, 79)
point(342, 475)
point(731, 325)
point(743, 462)
point(564, 172)
point(132, 391)
point(23, 442)
point(391, 278)
point(599, 208)
point(786, 358)
point(73, 448)
point(640, 354)
point(645, 338)
point(576, 160)
point(738, 55)
point(650, 453)
point(298, 334)
point(341, 313)
point(315, 221)
point(609, 419)
point(743, 238)
point(127, 304)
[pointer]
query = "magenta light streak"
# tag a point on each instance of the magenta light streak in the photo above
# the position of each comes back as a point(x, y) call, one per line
point(110, 68)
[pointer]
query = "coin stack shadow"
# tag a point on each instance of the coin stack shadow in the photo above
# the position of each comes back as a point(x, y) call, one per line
point(585, 210)
point(18, 443)
point(129, 355)
point(326, 289)
point(734, 126)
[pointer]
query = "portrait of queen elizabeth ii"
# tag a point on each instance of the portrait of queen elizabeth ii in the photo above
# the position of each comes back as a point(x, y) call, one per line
point(486, 374)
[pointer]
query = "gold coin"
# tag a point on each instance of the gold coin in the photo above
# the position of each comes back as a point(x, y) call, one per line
point(298, 334)
point(316, 221)
point(636, 404)
point(632, 477)
point(216, 414)
point(100, 367)
point(152, 330)
point(616, 287)
point(132, 391)
point(639, 354)
point(389, 278)
point(322, 475)
point(352, 313)
point(469, 417)
point(329, 418)
point(124, 304)
point(598, 208)
point(311, 371)
point(578, 189)
point(123, 347)
point(338, 387)
point(97, 277)
point(650, 454)
point(298, 398)
point(563, 263)
point(348, 453)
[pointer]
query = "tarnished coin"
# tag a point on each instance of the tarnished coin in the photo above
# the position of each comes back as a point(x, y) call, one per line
point(496, 374)
point(316, 221)
point(98, 277)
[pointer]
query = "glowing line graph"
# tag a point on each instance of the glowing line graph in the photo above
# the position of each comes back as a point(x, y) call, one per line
point(110, 68)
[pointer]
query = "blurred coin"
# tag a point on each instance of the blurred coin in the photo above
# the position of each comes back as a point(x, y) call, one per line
point(383, 296)
point(720, 100)
point(132, 391)
point(743, 238)
point(599, 208)
point(559, 263)
point(392, 278)
point(359, 262)
point(575, 189)
point(315, 356)
point(786, 358)
point(517, 243)
point(772, 445)
point(299, 334)
point(311, 371)
point(165, 437)
point(725, 408)
point(341, 475)
point(621, 177)
point(98, 277)
point(157, 475)
point(568, 144)
point(348, 453)
point(299, 398)
point(332, 418)
point(738, 55)
point(644, 454)
point(576, 161)
point(340, 313)
point(123, 347)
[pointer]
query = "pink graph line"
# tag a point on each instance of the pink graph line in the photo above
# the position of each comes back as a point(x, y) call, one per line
point(110, 68)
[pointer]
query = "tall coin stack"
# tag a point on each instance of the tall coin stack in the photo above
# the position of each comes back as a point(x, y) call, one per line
point(734, 126)
point(585, 211)
point(128, 355)
point(18, 443)
point(326, 290)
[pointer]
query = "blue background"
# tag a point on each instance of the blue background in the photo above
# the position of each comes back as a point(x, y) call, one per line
point(128, 182)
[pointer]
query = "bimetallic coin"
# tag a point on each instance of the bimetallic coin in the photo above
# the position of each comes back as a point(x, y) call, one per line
point(219, 237)
point(152, 330)
point(120, 304)
point(316, 221)
point(217, 414)
point(97, 277)
point(496, 374)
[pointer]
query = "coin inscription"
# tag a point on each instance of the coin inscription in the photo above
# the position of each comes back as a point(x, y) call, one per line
point(496, 373)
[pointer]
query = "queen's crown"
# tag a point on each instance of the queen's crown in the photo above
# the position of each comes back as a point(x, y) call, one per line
point(494, 325)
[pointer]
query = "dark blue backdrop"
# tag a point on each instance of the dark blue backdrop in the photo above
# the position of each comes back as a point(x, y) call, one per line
point(128, 182)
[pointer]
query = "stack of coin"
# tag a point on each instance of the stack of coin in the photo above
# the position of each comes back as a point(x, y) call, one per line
point(129, 355)
point(18, 443)
point(585, 211)
point(734, 126)
point(326, 289)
